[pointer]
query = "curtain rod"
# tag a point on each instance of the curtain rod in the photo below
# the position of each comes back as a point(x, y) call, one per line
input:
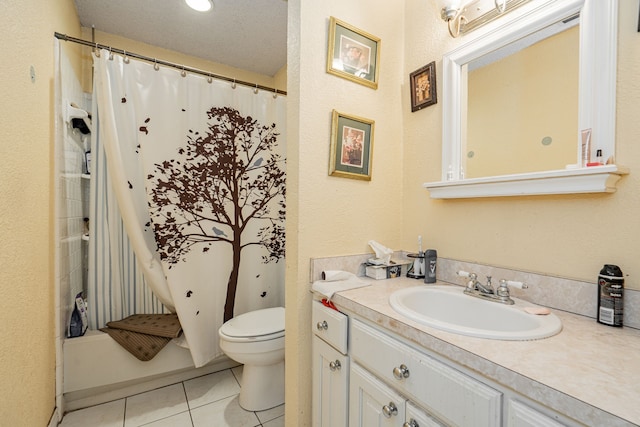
point(166, 63)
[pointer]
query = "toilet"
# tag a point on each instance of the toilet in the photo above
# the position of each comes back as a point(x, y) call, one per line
point(256, 339)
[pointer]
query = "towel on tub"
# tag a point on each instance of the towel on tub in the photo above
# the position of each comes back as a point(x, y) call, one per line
point(336, 281)
point(144, 335)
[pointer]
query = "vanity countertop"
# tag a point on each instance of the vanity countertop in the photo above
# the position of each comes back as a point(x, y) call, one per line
point(584, 370)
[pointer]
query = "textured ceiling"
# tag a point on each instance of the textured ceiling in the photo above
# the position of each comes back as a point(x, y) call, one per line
point(246, 34)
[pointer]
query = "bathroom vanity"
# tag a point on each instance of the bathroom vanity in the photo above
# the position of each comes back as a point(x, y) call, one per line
point(375, 367)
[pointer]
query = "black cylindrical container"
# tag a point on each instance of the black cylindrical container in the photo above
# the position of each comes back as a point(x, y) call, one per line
point(610, 295)
point(430, 258)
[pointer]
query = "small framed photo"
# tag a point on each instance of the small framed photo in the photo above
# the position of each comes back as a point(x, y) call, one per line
point(353, 54)
point(351, 146)
point(423, 87)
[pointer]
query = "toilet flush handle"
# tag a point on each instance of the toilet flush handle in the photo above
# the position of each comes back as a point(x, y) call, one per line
point(322, 326)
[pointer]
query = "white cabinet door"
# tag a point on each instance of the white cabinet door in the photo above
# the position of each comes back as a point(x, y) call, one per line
point(372, 403)
point(330, 386)
point(521, 415)
point(448, 393)
point(418, 418)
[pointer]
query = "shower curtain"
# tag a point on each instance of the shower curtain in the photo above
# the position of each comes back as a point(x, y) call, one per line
point(197, 167)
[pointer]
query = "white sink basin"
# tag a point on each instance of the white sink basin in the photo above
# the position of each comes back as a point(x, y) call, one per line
point(449, 309)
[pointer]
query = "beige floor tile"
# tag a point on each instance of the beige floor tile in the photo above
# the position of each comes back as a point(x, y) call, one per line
point(209, 388)
point(270, 414)
point(109, 414)
point(182, 419)
point(278, 422)
point(155, 405)
point(223, 413)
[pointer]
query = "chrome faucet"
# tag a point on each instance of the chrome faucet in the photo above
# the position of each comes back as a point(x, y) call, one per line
point(477, 289)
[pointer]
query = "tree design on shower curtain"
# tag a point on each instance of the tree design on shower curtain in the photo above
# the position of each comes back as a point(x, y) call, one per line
point(221, 181)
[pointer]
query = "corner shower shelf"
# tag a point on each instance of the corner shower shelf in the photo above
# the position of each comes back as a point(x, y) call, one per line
point(596, 179)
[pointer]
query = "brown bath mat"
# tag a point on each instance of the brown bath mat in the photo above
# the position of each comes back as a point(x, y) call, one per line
point(144, 347)
point(162, 325)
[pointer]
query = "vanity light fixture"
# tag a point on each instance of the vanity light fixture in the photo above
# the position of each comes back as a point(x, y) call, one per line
point(454, 12)
point(200, 5)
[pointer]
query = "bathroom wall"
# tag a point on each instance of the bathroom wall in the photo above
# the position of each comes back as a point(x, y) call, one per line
point(330, 215)
point(27, 351)
point(71, 190)
point(569, 236)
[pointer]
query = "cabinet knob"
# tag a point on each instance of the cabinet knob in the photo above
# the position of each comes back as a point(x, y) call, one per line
point(389, 410)
point(411, 423)
point(401, 372)
point(322, 326)
point(335, 366)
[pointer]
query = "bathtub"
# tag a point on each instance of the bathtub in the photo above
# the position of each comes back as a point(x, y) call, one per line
point(98, 370)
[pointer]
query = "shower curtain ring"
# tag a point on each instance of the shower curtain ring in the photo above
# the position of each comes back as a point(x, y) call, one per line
point(183, 73)
point(110, 54)
point(233, 85)
point(275, 93)
point(97, 51)
point(210, 79)
point(126, 58)
point(256, 89)
point(155, 64)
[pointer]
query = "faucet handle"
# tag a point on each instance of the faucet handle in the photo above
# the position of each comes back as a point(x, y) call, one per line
point(464, 273)
point(503, 289)
point(471, 284)
point(513, 283)
point(472, 276)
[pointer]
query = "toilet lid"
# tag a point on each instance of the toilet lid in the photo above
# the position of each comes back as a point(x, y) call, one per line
point(255, 323)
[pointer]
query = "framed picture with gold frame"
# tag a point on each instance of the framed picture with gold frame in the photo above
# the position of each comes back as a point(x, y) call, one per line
point(423, 87)
point(351, 146)
point(353, 54)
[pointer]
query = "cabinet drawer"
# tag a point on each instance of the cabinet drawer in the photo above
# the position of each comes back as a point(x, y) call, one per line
point(420, 418)
point(521, 415)
point(450, 395)
point(330, 325)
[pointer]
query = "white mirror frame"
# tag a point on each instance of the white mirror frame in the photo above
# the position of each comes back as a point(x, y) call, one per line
point(597, 103)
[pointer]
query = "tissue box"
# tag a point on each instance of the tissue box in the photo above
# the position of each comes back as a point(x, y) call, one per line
point(388, 271)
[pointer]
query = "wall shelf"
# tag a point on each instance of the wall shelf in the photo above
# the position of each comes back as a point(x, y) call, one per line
point(596, 179)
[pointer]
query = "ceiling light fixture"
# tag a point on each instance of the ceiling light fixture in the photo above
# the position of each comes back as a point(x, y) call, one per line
point(200, 5)
point(452, 11)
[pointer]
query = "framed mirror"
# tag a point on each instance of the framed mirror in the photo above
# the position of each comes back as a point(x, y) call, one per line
point(498, 153)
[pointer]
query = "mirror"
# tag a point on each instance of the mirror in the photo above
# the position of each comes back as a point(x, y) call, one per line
point(593, 104)
point(516, 127)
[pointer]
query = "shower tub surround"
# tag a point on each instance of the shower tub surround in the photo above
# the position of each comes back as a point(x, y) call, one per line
point(586, 372)
point(104, 371)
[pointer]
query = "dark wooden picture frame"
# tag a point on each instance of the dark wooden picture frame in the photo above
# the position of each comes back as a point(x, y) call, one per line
point(423, 87)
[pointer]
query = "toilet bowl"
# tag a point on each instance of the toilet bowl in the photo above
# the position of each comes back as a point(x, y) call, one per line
point(256, 339)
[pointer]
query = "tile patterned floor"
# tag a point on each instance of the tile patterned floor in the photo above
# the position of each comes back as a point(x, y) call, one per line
point(207, 401)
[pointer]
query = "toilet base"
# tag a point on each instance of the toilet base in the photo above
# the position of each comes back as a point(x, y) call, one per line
point(262, 387)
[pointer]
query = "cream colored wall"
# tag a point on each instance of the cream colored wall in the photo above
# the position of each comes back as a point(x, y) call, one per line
point(570, 236)
point(152, 51)
point(329, 215)
point(507, 120)
point(27, 351)
point(280, 79)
